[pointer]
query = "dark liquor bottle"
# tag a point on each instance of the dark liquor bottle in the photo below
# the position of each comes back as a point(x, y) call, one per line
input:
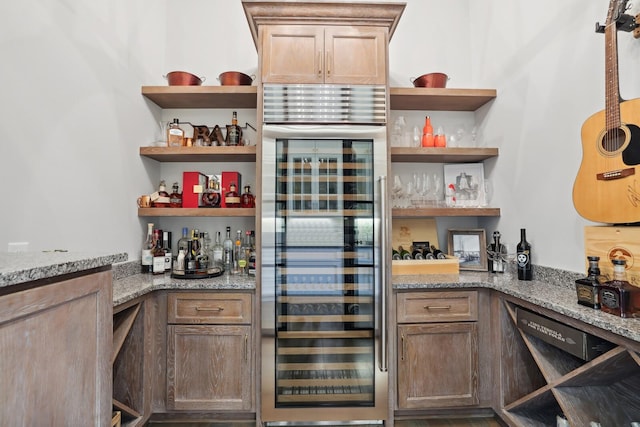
point(404, 254)
point(587, 287)
point(161, 198)
point(233, 131)
point(166, 246)
point(247, 200)
point(146, 259)
point(189, 259)
point(251, 268)
point(175, 134)
point(395, 254)
point(618, 296)
point(437, 253)
point(175, 198)
point(157, 253)
point(417, 254)
point(523, 257)
point(427, 254)
point(232, 199)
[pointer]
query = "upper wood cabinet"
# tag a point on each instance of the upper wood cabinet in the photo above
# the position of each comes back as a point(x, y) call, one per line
point(324, 54)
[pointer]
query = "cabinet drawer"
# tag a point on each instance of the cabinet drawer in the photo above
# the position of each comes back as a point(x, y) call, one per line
point(454, 306)
point(209, 308)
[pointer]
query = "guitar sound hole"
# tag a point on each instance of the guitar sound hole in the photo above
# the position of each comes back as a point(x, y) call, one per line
point(613, 140)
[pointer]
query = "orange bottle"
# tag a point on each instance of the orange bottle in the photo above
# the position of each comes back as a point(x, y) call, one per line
point(427, 133)
point(440, 140)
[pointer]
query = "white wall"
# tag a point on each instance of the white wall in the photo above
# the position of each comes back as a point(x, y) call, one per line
point(73, 118)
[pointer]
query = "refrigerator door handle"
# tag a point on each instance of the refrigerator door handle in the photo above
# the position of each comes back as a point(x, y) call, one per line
point(384, 272)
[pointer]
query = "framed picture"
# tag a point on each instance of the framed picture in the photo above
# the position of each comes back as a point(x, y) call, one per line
point(470, 246)
point(467, 181)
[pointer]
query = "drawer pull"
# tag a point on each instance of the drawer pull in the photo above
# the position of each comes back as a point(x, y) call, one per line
point(437, 307)
point(209, 308)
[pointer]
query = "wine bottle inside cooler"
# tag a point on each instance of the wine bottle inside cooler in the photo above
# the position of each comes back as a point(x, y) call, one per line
point(523, 257)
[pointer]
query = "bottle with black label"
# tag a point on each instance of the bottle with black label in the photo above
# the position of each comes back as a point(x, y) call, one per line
point(523, 257)
point(618, 296)
point(496, 254)
point(587, 288)
point(234, 133)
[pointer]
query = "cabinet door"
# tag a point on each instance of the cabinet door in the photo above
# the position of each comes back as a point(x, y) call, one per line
point(209, 367)
point(292, 54)
point(355, 55)
point(55, 348)
point(437, 365)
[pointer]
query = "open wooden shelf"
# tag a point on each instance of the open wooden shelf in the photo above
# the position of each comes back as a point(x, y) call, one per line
point(196, 212)
point(441, 155)
point(202, 96)
point(443, 211)
point(402, 98)
point(122, 323)
point(200, 154)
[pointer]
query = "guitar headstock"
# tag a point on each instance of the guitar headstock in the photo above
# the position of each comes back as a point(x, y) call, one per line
point(616, 15)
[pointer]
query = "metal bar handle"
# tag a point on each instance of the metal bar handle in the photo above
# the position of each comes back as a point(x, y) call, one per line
point(437, 307)
point(384, 273)
point(209, 308)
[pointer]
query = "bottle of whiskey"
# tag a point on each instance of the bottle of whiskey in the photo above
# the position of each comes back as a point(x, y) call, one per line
point(175, 198)
point(146, 260)
point(189, 259)
point(175, 134)
point(247, 200)
point(160, 198)
point(587, 287)
point(617, 296)
point(211, 196)
point(232, 198)
point(233, 131)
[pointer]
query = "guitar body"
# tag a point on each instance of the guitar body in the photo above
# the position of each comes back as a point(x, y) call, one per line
point(607, 187)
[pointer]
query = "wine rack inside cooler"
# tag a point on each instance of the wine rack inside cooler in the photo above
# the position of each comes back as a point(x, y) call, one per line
point(325, 287)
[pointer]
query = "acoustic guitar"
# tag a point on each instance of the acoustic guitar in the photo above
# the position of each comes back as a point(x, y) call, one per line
point(607, 187)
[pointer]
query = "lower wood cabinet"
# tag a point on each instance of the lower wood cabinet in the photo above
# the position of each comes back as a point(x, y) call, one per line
point(437, 349)
point(55, 347)
point(209, 351)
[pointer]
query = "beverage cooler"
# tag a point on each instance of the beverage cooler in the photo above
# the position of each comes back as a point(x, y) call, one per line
point(323, 299)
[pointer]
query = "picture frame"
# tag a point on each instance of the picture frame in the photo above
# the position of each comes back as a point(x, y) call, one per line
point(470, 246)
point(467, 182)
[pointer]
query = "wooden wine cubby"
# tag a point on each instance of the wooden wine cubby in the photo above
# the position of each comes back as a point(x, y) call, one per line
point(540, 381)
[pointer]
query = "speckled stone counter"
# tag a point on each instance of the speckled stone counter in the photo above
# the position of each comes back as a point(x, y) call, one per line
point(552, 290)
point(22, 267)
point(129, 287)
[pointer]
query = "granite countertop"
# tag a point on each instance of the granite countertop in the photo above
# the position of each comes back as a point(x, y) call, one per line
point(133, 286)
point(549, 290)
point(21, 267)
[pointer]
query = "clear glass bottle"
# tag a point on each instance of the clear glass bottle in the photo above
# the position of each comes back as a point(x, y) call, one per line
point(227, 246)
point(244, 253)
point(238, 253)
point(175, 134)
point(202, 256)
point(218, 252)
point(251, 268)
point(175, 198)
point(587, 287)
point(157, 253)
point(232, 198)
point(146, 259)
point(234, 133)
point(617, 296)
point(182, 242)
point(247, 200)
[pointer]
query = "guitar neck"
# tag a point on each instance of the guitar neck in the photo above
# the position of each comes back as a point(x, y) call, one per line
point(612, 85)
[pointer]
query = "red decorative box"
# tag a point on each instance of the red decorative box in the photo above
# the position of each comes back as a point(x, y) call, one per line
point(193, 184)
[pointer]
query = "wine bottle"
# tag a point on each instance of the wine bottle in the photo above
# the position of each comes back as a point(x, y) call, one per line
point(523, 257)
point(417, 254)
point(166, 246)
point(404, 254)
point(395, 254)
point(437, 253)
point(189, 259)
point(157, 253)
point(146, 259)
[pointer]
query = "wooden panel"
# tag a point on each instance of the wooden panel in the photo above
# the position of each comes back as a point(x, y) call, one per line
point(355, 55)
point(202, 96)
point(437, 365)
point(55, 348)
point(214, 308)
point(416, 307)
point(281, 65)
point(209, 367)
point(440, 99)
point(441, 155)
